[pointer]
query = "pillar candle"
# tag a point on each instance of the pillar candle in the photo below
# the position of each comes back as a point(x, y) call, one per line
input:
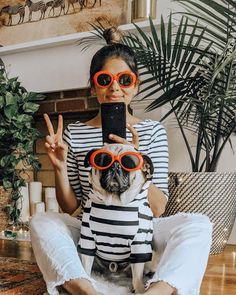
point(35, 192)
point(51, 200)
point(50, 192)
point(39, 207)
point(52, 204)
point(23, 203)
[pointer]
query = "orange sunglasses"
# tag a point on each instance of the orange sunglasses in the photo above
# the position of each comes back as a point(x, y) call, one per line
point(129, 161)
point(104, 79)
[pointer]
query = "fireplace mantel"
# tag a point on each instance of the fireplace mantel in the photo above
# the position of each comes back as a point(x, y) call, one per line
point(54, 64)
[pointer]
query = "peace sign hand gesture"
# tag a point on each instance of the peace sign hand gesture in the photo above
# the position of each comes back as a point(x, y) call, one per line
point(56, 148)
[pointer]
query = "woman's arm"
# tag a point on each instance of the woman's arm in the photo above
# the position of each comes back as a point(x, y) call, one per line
point(65, 195)
point(157, 200)
point(57, 152)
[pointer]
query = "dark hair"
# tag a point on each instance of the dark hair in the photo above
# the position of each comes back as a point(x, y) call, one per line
point(113, 49)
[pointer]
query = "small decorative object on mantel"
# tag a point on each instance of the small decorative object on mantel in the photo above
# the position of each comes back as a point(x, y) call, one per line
point(143, 9)
point(17, 137)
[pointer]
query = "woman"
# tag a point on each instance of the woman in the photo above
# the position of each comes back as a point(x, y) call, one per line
point(183, 240)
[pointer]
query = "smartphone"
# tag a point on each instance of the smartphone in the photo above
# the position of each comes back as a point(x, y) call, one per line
point(113, 120)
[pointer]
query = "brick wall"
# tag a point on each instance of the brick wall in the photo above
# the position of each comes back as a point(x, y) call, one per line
point(73, 105)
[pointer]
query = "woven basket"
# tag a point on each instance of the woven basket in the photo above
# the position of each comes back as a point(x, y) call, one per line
point(4, 200)
point(210, 193)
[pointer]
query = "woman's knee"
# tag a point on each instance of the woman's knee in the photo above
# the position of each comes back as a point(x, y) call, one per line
point(194, 226)
point(42, 222)
point(199, 221)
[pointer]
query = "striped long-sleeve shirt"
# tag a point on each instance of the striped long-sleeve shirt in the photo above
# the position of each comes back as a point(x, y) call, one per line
point(81, 138)
point(118, 233)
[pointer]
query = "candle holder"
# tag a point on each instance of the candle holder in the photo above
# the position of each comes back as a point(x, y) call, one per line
point(19, 231)
point(143, 9)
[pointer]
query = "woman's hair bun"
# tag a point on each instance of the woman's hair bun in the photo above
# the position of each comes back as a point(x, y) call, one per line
point(112, 35)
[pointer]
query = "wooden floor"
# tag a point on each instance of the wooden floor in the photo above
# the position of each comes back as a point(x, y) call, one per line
point(219, 279)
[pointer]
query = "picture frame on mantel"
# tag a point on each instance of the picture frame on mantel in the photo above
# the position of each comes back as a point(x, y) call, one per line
point(24, 21)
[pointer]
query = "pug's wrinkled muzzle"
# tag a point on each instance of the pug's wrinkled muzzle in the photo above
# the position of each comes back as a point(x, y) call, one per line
point(115, 179)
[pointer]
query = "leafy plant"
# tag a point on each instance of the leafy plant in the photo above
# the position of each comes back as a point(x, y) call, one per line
point(191, 66)
point(17, 137)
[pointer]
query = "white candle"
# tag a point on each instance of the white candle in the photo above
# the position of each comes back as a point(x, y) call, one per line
point(51, 200)
point(52, 204)
point(50, 192)
point(39, 207)
point(23, 203)
point(35, 192)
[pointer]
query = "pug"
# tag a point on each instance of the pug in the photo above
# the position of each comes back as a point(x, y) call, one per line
point(117, 219)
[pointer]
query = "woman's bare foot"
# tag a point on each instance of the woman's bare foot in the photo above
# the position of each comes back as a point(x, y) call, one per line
point(81, 287)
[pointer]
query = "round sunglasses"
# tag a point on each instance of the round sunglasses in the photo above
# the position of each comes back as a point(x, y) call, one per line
point(103, 159)
point(104, 79)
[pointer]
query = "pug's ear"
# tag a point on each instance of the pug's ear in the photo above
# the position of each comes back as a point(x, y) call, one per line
point(148, 168)
point(87, 158)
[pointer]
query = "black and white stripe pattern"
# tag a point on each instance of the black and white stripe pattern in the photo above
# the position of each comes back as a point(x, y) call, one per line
point(81, 138)
point(118, 233)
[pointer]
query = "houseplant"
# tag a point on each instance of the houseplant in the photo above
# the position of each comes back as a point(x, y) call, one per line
point(191, 67)
point(17, 137)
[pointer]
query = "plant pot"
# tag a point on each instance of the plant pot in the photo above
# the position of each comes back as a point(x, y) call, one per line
point(5, 197)
point(209, 193)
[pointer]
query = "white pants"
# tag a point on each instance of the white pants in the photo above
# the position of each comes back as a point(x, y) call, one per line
point(183, 242)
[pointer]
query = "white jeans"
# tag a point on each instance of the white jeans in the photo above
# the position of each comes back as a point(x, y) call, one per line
point(183, 242)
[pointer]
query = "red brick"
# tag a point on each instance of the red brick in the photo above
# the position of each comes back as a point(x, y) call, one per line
point(92, 103)
point(53, 95)
point(70, 94)
point(70, 105)
point(84, 92)
point(46, 107)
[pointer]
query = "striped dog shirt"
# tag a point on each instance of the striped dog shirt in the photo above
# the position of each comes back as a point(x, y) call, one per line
point(118, 233)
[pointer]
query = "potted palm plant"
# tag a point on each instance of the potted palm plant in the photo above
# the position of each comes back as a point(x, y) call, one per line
point(17, 137)
point(190, 65)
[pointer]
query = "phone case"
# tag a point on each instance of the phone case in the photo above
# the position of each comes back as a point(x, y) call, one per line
point(113, 120)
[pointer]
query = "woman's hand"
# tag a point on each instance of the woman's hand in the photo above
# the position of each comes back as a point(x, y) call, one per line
point(135, 139)
point(56, 148)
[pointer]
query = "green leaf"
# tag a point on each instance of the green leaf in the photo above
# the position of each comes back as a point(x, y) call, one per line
point(11, 111)
point(24, 118)
point(10, 99)
point(7, 184)
point(2, 101)
point(30, 107)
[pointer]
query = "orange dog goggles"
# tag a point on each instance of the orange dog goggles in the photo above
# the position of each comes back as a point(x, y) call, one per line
point(104, 79)
point(103, 159)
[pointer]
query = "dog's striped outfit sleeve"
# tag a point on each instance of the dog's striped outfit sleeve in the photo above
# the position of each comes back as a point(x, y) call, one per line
point(86, 244)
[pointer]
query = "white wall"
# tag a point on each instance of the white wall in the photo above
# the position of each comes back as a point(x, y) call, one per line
point(43, 67)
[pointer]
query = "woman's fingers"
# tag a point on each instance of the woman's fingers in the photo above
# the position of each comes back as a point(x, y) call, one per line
point(49, 124)
point(60, 127)
point(118, 139)
point(58, 135)
point(135, 138)
point(50, 140)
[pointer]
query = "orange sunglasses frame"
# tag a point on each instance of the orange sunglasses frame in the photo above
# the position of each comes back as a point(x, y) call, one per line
point(116, 158)
point(114, 78)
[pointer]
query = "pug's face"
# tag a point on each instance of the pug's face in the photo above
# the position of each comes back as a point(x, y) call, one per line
point(115, 180)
